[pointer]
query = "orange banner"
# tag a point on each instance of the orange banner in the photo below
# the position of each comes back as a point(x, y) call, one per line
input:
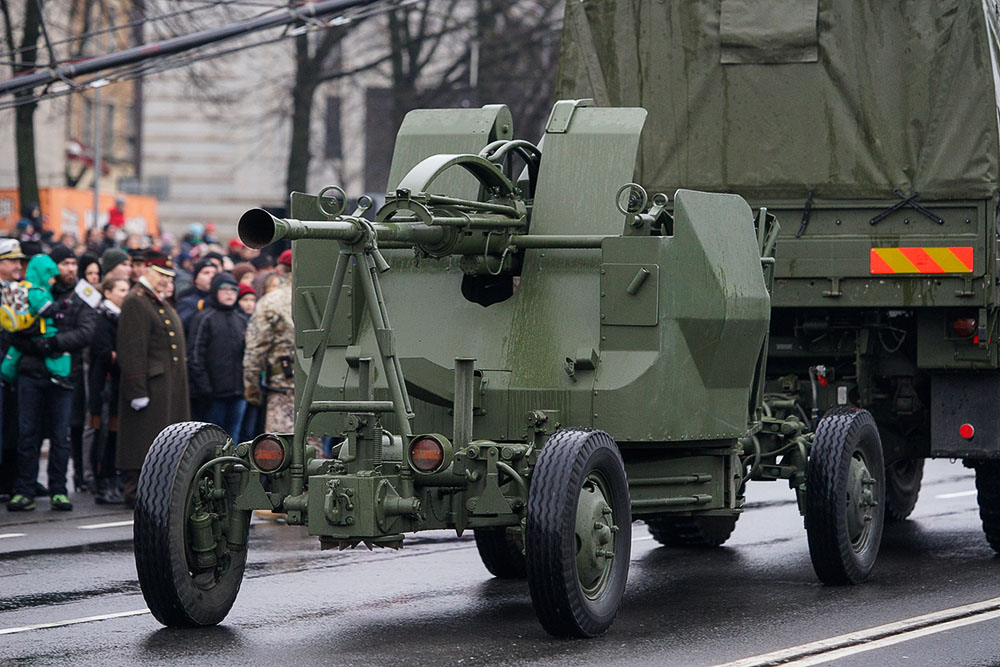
point(920, 260)
point(71, 210)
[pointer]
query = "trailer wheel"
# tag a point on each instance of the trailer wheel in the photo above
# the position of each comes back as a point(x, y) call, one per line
point(988, 487)
point(501, 552)
point(692, 531)
point(845, 497)
point(902, 487)
point(578, 534)
point(179, 591)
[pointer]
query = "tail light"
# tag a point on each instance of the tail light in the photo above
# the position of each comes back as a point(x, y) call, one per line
point(964, 326)
point(429, 453)
point(268, 453)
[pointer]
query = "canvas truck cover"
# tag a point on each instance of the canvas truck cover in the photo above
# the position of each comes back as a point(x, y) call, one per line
point(849, 98)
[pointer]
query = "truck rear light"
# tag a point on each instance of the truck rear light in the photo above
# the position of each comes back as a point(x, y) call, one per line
point(967, 431)
point(964, 326)
point(427, 453)
point(268, 453)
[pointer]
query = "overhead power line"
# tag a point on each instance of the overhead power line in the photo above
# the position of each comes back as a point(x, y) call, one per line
point(305, 12)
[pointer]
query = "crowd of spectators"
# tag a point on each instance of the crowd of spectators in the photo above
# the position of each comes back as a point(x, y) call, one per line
point(128, 334)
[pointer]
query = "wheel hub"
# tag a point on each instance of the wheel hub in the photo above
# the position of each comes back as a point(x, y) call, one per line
point(595, 531)
point(860, 501)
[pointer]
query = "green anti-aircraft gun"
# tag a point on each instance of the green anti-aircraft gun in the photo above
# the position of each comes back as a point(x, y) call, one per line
point(563, 357)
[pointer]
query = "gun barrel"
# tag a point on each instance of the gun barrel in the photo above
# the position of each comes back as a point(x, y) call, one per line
point(258, 228)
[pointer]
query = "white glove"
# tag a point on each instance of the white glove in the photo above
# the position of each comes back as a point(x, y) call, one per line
point(139, 403)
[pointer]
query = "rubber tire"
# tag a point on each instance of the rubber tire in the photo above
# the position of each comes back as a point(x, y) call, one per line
point(692, 531)
point(501, 553)
point(988, 496)
point(160, 526)
point(838, 435)
point(902, 488)
point(564, 463)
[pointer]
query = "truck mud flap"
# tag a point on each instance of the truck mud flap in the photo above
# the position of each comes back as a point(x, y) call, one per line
point(965, 419)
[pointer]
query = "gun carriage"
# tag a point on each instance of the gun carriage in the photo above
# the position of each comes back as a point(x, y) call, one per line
point(520, 343)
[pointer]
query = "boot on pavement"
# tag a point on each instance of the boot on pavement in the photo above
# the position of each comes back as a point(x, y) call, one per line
point(20, 503)
point(61, 503)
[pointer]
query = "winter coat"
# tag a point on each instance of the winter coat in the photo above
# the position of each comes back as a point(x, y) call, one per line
point(190, 303)
point(104, 371)
point(153, 364)
point(215, 347)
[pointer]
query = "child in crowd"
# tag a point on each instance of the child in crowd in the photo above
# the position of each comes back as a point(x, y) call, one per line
point(39, 276)
point(247, 299)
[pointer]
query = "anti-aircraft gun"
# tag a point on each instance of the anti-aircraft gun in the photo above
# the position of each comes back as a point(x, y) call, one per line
point(539, 358)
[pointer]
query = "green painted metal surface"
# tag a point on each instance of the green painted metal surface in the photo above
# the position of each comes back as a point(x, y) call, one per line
point(609, 316)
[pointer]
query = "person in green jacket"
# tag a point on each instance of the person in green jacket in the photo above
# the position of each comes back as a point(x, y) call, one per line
point(40, 275)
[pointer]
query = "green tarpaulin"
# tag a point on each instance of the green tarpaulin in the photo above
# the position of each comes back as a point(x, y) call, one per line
point(774, 98)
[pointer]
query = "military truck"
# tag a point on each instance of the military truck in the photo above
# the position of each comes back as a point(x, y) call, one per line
point(870, 130)
point(520, 342)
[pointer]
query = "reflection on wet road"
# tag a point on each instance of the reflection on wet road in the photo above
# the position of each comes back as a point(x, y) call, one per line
point(434, 603)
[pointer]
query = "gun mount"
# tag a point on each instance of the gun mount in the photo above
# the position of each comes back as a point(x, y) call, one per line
point(571, 358)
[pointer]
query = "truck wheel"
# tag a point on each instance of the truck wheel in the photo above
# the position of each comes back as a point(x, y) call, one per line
point(988, 487)
point(845, 497)
point(179, 591)
point(501, 552)
point(578, 535)
point(902, 486)
point(692, 531)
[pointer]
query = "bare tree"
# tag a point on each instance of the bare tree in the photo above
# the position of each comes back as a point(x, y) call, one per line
point(24, 52)
point(311, 57)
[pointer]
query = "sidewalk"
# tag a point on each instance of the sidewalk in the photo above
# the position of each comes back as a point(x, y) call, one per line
point(44, 529)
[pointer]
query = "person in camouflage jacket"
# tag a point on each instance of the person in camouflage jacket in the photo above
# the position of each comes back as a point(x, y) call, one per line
point(268, 359)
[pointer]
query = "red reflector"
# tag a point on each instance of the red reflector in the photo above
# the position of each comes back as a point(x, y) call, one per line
point(964, 326)
point(268, 454)
point(967, 431)
point(426, 454)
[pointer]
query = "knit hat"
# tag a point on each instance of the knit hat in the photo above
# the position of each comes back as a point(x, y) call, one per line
point(214, 255)
point(285, 257)
point(223, 278)
point(241, 270)
point(244, 290)
point(261, 262)
point(199, 265)
point(85, 261)
point(60, 253)
point(111, 258)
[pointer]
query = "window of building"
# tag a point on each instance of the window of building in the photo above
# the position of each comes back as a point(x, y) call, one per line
point(332, 149)
point(380, 135)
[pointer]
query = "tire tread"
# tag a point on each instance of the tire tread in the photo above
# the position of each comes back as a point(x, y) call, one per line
point(832, 556)
point(988, 497)
point(152, 539)
point(552, 575)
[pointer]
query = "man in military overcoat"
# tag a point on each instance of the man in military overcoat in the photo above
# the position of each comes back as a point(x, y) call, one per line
point(151, 356)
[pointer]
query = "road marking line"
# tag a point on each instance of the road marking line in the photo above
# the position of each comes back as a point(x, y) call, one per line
point(4, 535)
point(73, 621)
point(112, 524)
point(907, 628)
point(957, 494)
point(896, 639)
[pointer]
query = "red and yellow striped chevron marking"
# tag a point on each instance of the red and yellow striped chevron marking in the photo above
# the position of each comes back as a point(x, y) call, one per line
point(920, 260)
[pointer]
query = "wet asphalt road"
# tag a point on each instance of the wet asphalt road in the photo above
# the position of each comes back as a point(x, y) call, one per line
point(433, 603)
